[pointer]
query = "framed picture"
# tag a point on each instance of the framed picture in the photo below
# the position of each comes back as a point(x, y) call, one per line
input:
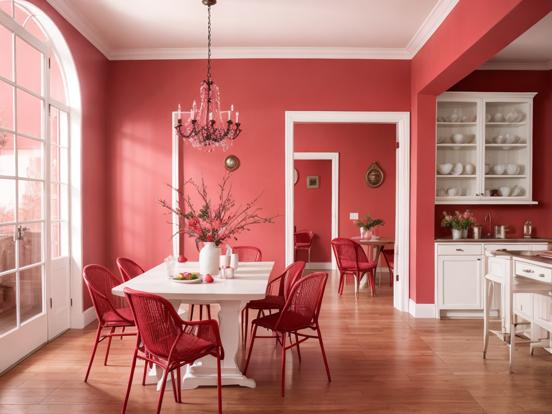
point(313, 181)
point(374, 176)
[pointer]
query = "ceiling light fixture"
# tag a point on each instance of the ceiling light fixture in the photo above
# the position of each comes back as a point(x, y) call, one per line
point(209, 127)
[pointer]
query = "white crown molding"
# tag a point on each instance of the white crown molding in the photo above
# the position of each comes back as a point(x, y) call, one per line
point(515, 65)
point(431, 23)
point(437, 15)
point(64, 8)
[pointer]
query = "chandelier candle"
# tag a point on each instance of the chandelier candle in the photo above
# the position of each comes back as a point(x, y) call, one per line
point(205, 128)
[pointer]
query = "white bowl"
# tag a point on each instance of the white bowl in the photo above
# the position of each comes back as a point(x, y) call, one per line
point(499, 139)
point(458, 138)
point(516, 191)
point(458, 169)
point(512, 169)
point(444, 169)
point(498, 169)
point(469, 168)
point(504, 191)
point(498, 117)
point(511, 116)
point(442, 140)
point(454, 117)
point(453, 191)
point(510, 138)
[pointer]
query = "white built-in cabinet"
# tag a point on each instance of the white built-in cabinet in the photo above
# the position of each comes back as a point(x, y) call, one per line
point(459, 271)
point(487, 139)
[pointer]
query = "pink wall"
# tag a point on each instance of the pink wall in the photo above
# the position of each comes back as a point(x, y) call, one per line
point(358, 145)
point(514, 216)
point(471, 34)
point(313, 207)
point(143, 93)
point(92, 69)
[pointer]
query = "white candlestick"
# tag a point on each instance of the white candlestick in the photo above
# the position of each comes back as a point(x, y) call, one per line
point(179, 112)
point(237, 117)
point(210, 116)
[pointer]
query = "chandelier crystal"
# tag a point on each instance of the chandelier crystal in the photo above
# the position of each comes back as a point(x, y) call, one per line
point(208, 127)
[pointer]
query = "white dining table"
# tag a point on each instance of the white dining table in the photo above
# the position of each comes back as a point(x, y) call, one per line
point(249, 283)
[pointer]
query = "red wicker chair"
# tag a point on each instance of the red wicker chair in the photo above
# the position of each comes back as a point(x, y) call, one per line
point(248, 253)
point(302, 240)
point(112, 311)
point(277, 290)
point(128, 268)
point(351, 259)
point(167, 341)
point(300, 312)
point(389, 256)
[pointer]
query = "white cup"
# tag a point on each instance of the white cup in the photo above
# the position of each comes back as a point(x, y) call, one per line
point(234, 261)
point(170, 266)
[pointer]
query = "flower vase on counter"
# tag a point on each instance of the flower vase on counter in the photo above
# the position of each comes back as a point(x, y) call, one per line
point(459, 223)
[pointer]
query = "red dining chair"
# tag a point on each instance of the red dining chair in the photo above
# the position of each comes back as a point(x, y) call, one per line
point(352, 260)
point(248, 253)
point(277, 291)
point(389, 257)
point(303, 242)
point(164, 339)
point(128, 268)
point(112, 311)
point(300, 312)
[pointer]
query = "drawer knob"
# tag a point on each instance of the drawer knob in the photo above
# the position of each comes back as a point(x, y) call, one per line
point(541, 275)
point(459, 250)
point(528, 271)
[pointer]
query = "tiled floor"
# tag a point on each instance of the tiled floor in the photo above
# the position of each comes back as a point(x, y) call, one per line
point(381, 361)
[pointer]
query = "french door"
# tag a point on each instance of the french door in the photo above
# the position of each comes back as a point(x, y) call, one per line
point(34, 197)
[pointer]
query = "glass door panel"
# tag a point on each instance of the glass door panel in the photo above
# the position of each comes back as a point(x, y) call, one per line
point(8, 306)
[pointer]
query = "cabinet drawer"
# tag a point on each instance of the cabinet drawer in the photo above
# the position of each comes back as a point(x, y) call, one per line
point(459, 249)
point(533, 271)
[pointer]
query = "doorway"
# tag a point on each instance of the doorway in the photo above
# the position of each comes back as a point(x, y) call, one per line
point(401, 120)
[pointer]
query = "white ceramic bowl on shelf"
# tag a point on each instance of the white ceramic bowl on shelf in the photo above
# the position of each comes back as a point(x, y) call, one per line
point(512, 169)
point(458, 169)
point(516, 191)
point(498, 117)
point(469, 168)
point(510, 138)
point(504, 191)
point(444, 169)
point(498, 169)
point(453, 192)
point(458, 138)
point(499, 139)
point(511, 116)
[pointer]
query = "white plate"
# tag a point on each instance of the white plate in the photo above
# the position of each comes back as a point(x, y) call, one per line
point(189, 282)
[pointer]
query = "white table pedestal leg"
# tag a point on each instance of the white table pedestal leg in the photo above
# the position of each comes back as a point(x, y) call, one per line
point(205, 372)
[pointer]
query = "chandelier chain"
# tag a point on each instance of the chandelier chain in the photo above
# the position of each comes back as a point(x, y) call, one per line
point(209, 43)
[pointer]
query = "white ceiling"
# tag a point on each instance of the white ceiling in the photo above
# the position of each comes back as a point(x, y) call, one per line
point(147, 29)
point(532, 50)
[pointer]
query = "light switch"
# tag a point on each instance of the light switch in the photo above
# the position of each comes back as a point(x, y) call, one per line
point(353, 216)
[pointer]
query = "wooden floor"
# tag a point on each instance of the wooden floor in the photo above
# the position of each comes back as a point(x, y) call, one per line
point(381, 361)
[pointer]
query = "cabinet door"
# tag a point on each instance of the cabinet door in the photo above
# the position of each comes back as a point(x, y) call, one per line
point(459, 282)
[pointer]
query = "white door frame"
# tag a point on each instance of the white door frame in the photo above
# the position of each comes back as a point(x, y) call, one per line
point(334, 158)
point(402, 213)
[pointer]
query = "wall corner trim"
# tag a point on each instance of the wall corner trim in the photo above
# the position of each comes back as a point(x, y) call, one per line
point(421, 310)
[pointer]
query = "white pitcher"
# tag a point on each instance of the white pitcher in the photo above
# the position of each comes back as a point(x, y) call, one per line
point(209, 259)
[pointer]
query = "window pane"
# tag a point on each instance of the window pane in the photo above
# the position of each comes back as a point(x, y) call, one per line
point(7, 7)
point(7, 249)
point(6, 51)
point(29, 114)
point(54, 163)
point(29, 158)
point(8, 312)
point(54, 125)
point(6, 106)
point(30, 292)
point(30, 200)
point(63, 129)
point(59, 202)
point(7, 157)
point(60, 239)
point(64, 165)
point(7, 201)
point(28, 66)
point(20, 14)
point(34, 28)
point(30, 247)
point(57, 83)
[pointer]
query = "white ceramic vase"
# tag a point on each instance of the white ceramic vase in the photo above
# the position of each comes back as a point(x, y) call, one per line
point(365, 233)
point(457, 234)
point(209, 259)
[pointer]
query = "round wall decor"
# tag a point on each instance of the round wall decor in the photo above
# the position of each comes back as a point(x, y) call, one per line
point(374, 175)
point(231, 163)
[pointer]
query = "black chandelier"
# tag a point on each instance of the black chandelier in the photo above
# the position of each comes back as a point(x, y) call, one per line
point(209, 127)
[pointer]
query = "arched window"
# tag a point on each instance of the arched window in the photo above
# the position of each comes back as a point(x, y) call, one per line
point(39, 95)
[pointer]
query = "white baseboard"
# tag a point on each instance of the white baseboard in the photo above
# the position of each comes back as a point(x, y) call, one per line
point(319, 265)
point(84, 319)
point(421, 310)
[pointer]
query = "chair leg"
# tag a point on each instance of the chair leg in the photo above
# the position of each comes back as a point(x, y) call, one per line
point(191, 309)
point(98, 333)
point(208, 311)
point(253, 335)
point(372, 278)
point(283, 373)
point(173, 383)
point(200, 312)
point(298, 349)
point(357, 285)
point(341, 280)
point(323, 354)
point(219, 385)
point(179, 383)
point(122, 331)
point(246, 324)
point(145, 372)
point(133, 366)
point(108, 345)
point(162, 391)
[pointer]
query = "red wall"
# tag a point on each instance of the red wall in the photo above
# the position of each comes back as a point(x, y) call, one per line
point(514, 216)
point(358, 145)
point(142, 95)
point(313, 207)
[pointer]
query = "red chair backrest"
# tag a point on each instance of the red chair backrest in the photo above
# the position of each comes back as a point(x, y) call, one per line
point(128, 268)
point(303, 304)
point(248, 253)
point(280, 284)
point(158, 323)
point(304, 237)
point(99, 281)
point(348, 253)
